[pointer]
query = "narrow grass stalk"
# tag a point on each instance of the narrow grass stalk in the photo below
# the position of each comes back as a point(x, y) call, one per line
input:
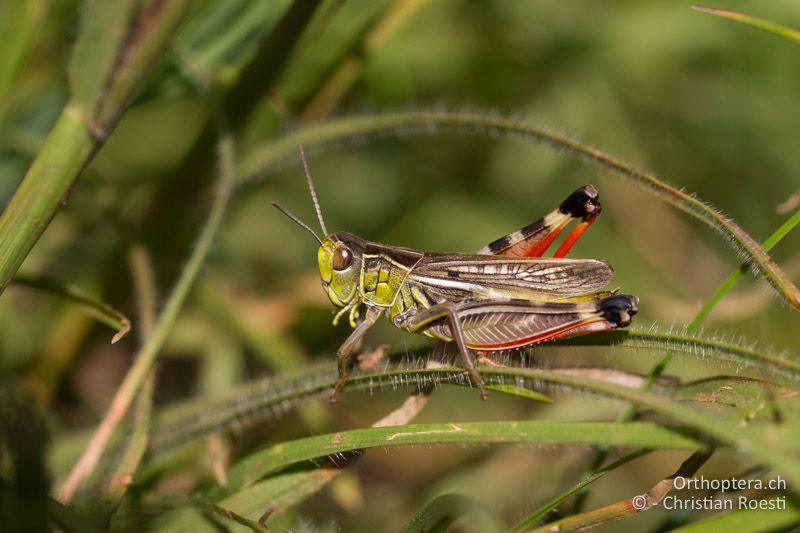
point(776, 448)
point(145, 288)
point(780, 30)
point(349, 129)
point(740, 354)
point(147, 355)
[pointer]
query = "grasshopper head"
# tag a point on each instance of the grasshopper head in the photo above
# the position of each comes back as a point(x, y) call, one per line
point(339, 259)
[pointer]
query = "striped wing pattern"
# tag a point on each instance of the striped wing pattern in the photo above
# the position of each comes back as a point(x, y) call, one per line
point(465, 276)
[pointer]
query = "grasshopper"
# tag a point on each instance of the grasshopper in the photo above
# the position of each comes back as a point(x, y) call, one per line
point(505, 296)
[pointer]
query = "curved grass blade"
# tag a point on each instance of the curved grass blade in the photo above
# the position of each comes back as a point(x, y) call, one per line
point(272, 497)
point(776, 447)
point(737, 274)
point(254, 401)
point(632, 434)
point(764, 25)
point(737, 353)
point(100, 310)
point(348, 129)
point(261, 399)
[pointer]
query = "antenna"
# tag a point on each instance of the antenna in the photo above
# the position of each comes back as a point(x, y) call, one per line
point(313, 194)
point(296, 220)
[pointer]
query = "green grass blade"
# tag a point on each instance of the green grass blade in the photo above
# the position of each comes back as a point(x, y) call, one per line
point(740, 354)
point(102, 311)
point(778, 452)
point(764, 25)
point(737, 274)
point(185, 422)
point(177, 425)
point(269, 498)
point(262, 160)
point(520, 392)
point(634, 435)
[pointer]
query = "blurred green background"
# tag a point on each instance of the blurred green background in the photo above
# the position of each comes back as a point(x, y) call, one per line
point(708, 105)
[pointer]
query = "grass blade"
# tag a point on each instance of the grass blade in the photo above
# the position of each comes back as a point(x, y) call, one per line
point(738, 353)
point(102, 311)
point(765, 25)
point(633, 434)
point(182, 423)
point(737, 274)
point(343, 130)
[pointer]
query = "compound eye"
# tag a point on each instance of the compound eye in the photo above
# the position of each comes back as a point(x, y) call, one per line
point(342, 258)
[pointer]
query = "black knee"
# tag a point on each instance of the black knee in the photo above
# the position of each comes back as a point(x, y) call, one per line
point(619, 309)
point(584, 203)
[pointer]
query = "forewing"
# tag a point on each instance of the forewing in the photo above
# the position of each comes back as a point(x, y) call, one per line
point(497, 276)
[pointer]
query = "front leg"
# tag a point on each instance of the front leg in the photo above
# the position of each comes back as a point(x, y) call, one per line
point(343, 353)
